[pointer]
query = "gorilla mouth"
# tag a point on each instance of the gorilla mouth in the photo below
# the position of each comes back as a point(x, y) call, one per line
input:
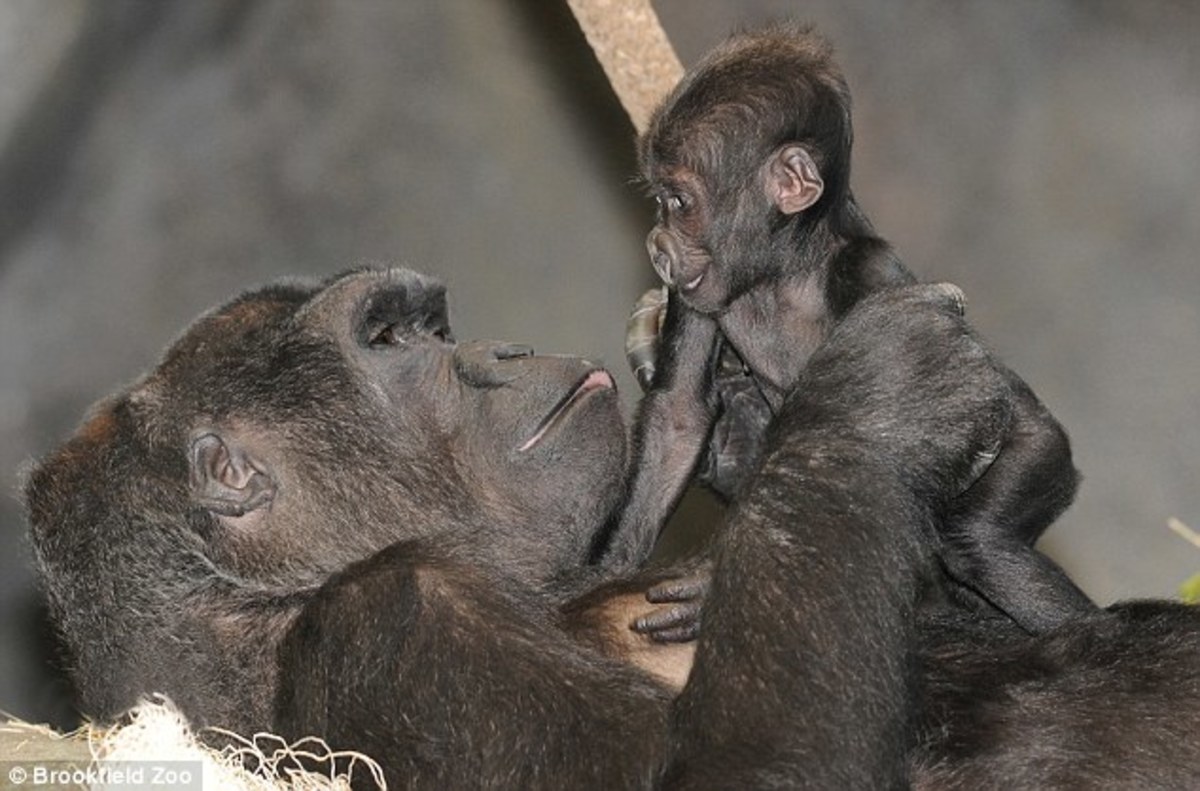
point(599, 379)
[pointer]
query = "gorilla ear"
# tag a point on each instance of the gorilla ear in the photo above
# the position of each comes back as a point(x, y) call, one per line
point(226, 479)
point(791, 179)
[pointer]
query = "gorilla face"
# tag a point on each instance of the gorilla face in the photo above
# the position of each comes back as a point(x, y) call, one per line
point(300, 428)
point(354, 420)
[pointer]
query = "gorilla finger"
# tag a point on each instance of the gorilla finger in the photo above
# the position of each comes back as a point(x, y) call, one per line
point(641, 334)
point(683, 589)
point(946, 295)
point(667, 618)
point(680, 634)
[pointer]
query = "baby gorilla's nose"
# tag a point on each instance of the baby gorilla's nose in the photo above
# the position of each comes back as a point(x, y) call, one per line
point(661, 249)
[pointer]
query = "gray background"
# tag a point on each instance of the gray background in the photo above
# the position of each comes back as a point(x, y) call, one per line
point(158, 157)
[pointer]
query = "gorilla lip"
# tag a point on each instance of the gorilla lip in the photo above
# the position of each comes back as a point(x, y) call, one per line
point(597, 379)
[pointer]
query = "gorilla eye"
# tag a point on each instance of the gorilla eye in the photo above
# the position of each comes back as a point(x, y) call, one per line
point(436, 325)
point(674, 202)
point(380, 334)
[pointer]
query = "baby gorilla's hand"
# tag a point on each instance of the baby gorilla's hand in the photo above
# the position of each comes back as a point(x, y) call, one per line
point(736, 444)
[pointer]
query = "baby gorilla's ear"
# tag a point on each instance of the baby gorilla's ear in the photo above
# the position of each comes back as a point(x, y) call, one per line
point(791, 179)
point(226, 479)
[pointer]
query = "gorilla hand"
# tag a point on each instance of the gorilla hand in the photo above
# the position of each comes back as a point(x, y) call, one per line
point(680, 621)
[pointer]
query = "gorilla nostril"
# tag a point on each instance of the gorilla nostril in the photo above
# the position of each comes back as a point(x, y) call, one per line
point(512, 351)
point(478, 363)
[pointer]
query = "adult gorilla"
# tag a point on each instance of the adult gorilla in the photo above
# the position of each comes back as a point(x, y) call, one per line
point(320, 515)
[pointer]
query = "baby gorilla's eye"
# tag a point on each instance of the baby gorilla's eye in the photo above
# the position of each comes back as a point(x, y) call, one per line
point(671, 202)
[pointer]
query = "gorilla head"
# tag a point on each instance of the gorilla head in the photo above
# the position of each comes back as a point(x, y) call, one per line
point(297, 429)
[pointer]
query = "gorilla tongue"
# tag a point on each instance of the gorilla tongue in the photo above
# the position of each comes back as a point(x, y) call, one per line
point(595, 380)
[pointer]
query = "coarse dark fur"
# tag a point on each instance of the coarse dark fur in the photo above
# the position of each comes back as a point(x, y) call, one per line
point(1110, 703)
point(764, 245)
point(854, 425)
point(217, 532)
point(314, 516)
point(842, 664)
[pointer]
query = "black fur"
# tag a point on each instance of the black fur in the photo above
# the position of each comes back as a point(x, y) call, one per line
point(368, 436)
point(857, 433)
point(762, 118)
point(400, 593)
point(1101, 703)
point(842, 663)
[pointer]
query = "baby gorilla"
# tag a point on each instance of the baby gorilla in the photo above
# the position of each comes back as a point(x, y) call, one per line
point(765, 249)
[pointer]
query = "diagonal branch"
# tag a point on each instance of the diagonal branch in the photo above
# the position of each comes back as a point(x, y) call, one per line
point(634, 51)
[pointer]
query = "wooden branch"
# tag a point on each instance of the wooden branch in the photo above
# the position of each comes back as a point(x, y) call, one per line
point(634, 51)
